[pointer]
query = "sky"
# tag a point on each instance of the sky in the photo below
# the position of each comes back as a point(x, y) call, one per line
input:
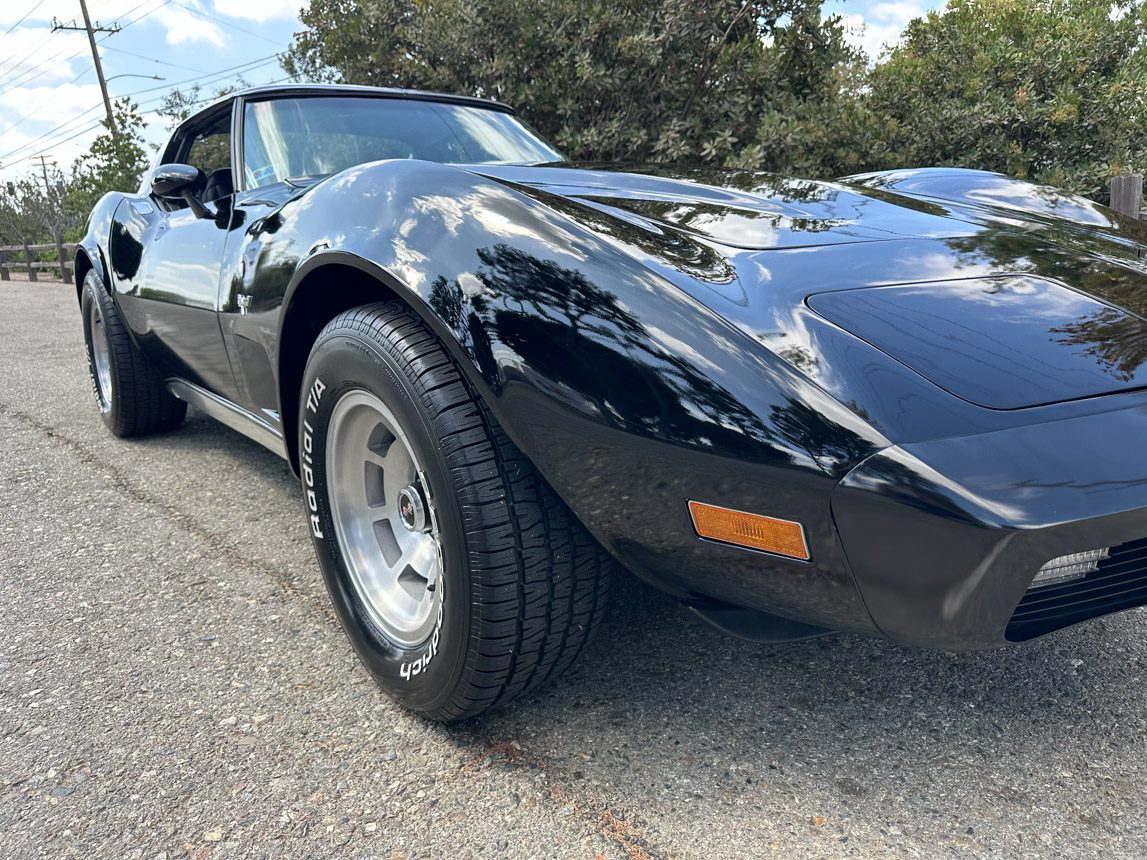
point(875, 24)
point(50, 101)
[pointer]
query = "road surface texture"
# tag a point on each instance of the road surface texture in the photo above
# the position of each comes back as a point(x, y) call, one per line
point(173, 684)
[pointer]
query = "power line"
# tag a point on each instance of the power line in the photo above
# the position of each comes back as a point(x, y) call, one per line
point(152, 59)
point(15, 64)
point(22, 19)
point(54, 144)
point(81, 132)
point(222, 73)
point(150, 11)
point(207, 79)
point(51, 134)
point(216, 19)
point(214, 77)
point(20, 121)
point(48, 65)
point(91, 31)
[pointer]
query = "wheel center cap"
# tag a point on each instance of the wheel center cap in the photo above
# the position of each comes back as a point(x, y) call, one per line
point(411, 509)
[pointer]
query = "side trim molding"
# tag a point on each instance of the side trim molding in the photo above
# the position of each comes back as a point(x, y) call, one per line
point(230, 414)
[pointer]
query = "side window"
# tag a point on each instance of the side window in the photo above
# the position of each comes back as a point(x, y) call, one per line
point(209, 149)
point(264, 147)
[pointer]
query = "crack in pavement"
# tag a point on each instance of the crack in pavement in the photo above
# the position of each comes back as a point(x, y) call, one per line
point(184, 520)
point(614, 824)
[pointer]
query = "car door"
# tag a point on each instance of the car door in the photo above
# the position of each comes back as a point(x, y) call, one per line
point(168, 289)
point(257, 270)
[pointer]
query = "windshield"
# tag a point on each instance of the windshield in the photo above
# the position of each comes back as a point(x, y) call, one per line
point(309, 136)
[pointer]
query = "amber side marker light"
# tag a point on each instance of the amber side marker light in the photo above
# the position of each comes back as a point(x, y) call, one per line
point(753, 531)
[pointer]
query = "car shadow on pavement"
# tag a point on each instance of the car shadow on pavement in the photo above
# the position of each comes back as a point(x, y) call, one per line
point(846, 725)
point(662, 705)
point(652, 653)
point(202, 433)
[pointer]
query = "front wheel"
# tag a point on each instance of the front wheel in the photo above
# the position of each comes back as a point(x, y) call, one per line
point(131, 396)
point(459, 576)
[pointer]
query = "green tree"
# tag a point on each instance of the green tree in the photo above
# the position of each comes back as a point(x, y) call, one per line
point(32, 211)
point(753, 83)
point(29, 212)
point(1049, 90)
point(179, 104)
point(46, 204)
point(116, 161)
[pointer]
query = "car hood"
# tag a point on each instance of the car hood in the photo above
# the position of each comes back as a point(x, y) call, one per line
point(1004, 342)
point(1054, 310)
point(738, 209)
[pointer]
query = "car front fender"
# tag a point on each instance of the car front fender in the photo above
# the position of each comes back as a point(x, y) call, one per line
point(91, 250)
point(628, 394)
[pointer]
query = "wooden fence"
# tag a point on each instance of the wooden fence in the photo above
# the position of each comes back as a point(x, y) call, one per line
point(26, 257)
point(1127, 195)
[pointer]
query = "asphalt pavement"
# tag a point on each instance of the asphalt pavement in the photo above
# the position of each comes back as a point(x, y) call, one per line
point(174, 684)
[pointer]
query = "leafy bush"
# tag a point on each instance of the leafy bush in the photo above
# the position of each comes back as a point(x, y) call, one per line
point(1049, 90)
point(747, 84)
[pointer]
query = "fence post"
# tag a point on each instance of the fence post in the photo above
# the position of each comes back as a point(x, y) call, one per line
point(4, 273)
point(65, 272)
point(1127, 193)
point(32, 276)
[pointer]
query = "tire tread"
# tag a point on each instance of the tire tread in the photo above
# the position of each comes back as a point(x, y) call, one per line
point(143, 405)
point(539, 580)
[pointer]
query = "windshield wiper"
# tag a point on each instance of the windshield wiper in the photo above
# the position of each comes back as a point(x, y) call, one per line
point(303, 181)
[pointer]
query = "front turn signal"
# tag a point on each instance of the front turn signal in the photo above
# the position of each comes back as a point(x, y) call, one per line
point(754, 531)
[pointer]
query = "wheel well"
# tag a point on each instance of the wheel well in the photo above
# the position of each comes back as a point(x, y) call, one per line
point(80, 269)
point(320, 297)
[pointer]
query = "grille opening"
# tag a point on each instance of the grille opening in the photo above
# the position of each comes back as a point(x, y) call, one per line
point(1120, 582)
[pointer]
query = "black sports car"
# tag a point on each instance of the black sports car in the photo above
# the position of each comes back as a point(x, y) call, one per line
point(909, 403)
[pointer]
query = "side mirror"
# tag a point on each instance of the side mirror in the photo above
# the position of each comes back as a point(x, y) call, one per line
point(171, 180)
point(175, 181)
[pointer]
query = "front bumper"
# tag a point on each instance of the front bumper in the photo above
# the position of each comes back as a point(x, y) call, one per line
point(944, 537)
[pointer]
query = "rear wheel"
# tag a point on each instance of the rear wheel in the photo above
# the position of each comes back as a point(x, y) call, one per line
point(131, 396)
point(459, 576)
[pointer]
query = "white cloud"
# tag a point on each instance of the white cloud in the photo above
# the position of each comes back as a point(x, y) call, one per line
point(41, 106)
point(104, 11)
point(899, 11)
point(36, 55)
point(11, 11)
point(881, 27)
point(184, 26)
point(262, 10)
point(62, 153)
point(58, 103)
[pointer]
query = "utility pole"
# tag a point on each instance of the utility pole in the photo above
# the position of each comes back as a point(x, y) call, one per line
point(53, 210)
point(47, 185)
point(91, 31)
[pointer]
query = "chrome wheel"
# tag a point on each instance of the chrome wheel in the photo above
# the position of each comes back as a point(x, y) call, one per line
point(101, 355)
point(384, 518)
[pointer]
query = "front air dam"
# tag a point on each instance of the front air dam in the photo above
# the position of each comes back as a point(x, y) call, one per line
point(945, 537)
